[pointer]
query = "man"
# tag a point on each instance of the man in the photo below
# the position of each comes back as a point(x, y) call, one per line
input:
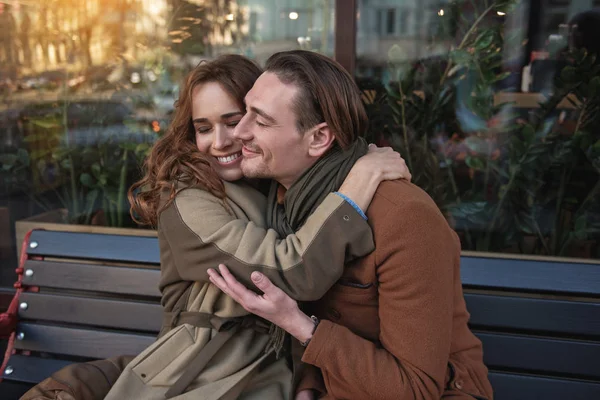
point(395, 325)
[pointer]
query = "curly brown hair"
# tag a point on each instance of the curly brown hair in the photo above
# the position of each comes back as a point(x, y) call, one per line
point(175, 157)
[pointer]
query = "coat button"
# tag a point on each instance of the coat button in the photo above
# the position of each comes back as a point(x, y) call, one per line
point(346, 218)
point(458, 384)
point(334, 314)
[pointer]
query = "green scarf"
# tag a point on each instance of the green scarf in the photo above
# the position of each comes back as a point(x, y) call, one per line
point(305, 195)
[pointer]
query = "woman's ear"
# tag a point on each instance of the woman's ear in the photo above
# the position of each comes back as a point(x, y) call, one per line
point(321, 139)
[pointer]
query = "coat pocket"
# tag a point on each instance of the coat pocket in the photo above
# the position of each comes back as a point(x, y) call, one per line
point(461, 383)
point(162, 353)
point(354, 307)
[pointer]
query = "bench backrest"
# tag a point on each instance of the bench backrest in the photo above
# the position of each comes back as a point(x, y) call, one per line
point(98, 297)
point(539, 321)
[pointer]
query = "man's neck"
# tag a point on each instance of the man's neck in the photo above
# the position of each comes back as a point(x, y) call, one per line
point(288, 182)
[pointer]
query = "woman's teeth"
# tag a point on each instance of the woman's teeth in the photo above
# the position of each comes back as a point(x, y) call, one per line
point(228, 159)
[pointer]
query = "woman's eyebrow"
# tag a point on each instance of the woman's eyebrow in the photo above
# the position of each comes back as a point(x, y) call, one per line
point(223, 116)
point(232, 114)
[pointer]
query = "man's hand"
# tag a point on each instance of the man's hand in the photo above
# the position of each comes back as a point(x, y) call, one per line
point(273, 305)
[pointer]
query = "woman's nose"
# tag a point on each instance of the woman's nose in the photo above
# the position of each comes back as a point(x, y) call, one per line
point(223, 138)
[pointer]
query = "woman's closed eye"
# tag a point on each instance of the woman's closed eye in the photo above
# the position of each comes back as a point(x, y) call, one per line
point(203, 129)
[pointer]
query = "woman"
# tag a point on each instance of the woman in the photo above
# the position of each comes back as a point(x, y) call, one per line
point(202, 218)
point(209, 347)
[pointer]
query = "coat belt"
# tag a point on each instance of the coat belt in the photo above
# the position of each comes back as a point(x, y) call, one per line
point(226, 329)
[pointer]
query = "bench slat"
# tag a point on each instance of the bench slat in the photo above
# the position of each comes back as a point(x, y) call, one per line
point(80, 342)
point(32, 369)
point(96, 278)
point(95, 246)
point(527, 387)
point(541, 355)
point(541, 315)
point(92, 311)
point(530, 275)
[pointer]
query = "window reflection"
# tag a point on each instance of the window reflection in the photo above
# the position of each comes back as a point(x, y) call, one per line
point(499, 128)
point(86, 87)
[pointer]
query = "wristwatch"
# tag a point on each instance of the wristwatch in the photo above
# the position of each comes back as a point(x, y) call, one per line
point(316, 322)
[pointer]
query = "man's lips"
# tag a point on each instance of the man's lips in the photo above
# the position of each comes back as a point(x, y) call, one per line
point(248, 152)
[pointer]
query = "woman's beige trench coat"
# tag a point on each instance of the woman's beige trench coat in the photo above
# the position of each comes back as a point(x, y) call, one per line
point(198, 231)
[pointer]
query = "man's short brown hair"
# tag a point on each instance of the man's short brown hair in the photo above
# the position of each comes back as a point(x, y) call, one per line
point(327, 93)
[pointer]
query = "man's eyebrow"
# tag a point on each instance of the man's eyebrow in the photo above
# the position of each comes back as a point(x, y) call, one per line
point(263, 114)
point(223, 116)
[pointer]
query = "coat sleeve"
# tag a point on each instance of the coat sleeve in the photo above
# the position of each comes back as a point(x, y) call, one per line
point(202, 233)
point(415, 258)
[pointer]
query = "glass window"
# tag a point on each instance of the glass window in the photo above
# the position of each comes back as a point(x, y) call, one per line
point(501, 129)
point(87, 86)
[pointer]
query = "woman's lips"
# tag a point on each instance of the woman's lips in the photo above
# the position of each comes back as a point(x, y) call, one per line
point(230, 159)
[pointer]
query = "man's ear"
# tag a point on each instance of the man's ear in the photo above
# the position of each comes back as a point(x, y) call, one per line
point(320, 140)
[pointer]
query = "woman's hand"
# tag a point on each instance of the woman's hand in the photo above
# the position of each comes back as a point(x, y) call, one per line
point(384, 162)
point(273, 305)
point(379, 164)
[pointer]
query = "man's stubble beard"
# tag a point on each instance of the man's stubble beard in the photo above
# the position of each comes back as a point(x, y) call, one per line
point(258, 172)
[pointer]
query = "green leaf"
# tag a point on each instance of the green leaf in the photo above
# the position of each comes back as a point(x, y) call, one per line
point(103, 180)
point(396, 54)
point(128, 146)
point(142, 148)
point(460, 56)
point(499, 170)
point(31, 138)
point(46, 123)
point(580, 223)
point(96, 169)
point(8, 160)
point(91, 197)
point(66, 163)
point(23, 156)
point(502, 76)
point(569, 74)
point(86, 180)
point(595, 86)
point(484, 39)
point(476, 144)
point(476, 163)
point(528, 132)
point(505, 5)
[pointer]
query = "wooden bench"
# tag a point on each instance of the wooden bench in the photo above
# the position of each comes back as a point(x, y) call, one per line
point(98, 297)
point(539, 320)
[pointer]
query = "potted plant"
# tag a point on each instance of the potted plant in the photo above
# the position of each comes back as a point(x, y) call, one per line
point(506, 182)
point(78, 172)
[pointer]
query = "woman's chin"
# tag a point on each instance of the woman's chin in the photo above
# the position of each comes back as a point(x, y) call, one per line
point(231, 174)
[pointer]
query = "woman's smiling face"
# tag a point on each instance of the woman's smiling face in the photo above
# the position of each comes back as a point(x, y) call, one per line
point(215, 114)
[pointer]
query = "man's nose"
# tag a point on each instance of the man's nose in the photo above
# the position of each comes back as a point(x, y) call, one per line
point(242, 131)
point(223, 138)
